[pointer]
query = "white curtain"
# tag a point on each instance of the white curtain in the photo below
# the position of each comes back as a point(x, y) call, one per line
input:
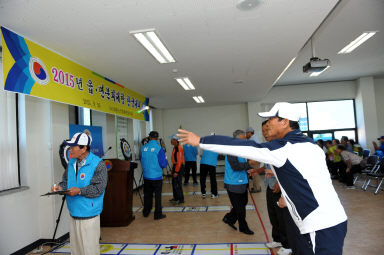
point(9, 172)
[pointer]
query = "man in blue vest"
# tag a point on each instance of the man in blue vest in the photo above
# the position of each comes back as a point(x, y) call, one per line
point(236, 184)
point(85, 180)
point(190, 154)
point(153, 160)
point(208, 164)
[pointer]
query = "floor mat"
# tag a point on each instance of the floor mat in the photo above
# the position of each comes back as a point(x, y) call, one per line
point(181, 249)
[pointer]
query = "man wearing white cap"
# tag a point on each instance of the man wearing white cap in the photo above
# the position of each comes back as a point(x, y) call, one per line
point(301, 170)
point(85, 179)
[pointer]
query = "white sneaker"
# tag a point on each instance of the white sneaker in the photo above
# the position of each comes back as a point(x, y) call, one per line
point(203, 195)
point(272, 245)
point(283, 251)
point(213, 196)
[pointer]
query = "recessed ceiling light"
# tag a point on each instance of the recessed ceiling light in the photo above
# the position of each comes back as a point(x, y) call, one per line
point(199, 99)
point(314, 74)
point(153, 44)
point(185, 83)
point(357, 42)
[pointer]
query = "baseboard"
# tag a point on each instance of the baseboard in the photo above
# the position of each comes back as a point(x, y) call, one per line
point(39, 242)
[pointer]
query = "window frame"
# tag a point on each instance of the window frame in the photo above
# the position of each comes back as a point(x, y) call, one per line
point(310, 132)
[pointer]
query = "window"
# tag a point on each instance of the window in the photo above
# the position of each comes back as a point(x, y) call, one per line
point(85, 117)
point(9, 156)
point(303, 121)
point(328, 120)
point(331, 115)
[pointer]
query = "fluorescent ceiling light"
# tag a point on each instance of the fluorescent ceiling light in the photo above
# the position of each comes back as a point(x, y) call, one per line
point(185, 83)
point(153, 44)
point(357, 42)
point(285, 69)
point(314, 74)
point(199, 99)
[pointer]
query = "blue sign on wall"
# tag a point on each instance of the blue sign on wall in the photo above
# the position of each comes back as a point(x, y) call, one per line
point(94, 132)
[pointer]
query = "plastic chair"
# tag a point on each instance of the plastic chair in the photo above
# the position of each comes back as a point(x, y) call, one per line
point(366, 153)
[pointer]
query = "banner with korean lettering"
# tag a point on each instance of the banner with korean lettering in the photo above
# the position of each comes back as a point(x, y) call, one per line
point(31, 69)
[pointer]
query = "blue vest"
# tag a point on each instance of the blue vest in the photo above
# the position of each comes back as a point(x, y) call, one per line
point(80, 206)
point(233, 177)
point(150, 161)
point(209, 158)
point(190, 152)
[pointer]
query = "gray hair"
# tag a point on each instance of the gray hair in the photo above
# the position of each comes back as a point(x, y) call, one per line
point(237, 133)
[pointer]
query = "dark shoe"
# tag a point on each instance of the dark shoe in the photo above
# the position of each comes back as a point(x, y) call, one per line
point(145, 214)
point(258, 190)
point(172, 200)
point(225, 220)
point(186, 183)
point(162, 216)
point(179, 202)
point(247, 231)
point(195, 184)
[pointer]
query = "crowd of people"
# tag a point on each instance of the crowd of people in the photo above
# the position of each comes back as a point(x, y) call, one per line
point(345, 158)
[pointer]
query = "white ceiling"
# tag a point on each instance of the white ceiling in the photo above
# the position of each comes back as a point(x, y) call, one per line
point(213, 42)
point(349, 20)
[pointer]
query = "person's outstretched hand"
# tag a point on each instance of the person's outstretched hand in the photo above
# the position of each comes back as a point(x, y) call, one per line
point(188, 137)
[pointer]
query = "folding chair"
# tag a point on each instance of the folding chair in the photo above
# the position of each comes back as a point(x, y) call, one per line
point(377, 173)
point(372, 163)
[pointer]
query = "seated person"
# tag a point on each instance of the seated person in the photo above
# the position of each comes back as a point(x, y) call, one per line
point(351, 165)
point(377, 148)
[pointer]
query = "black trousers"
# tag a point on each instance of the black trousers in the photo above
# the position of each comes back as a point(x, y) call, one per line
point(276, 217)
point(328, 241)
point(348, 177)
point(204, 170)
point(151, 187)
point(190, 165)
point(239, 202)
point(177, 184)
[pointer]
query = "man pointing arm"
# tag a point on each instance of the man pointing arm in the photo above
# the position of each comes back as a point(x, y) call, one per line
point(301, 171)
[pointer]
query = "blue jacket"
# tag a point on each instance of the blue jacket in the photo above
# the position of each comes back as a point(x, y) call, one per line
point(153, 161)
point(80, 206)
point(233, 177)
point(301, 170)
point(190, 152)
point(209, 158)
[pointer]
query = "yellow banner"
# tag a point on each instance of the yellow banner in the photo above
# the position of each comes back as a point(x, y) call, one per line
point(31, 69)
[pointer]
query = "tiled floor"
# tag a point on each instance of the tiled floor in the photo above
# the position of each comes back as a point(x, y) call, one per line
point(365, 226)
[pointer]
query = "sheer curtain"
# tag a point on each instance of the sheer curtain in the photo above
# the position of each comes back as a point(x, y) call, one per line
point(9, 172)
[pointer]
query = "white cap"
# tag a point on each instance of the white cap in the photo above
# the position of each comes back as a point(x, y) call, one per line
point(79, 139)
point(282, 110)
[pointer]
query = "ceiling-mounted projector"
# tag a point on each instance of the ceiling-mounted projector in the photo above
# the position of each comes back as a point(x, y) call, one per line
point(316, 65)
